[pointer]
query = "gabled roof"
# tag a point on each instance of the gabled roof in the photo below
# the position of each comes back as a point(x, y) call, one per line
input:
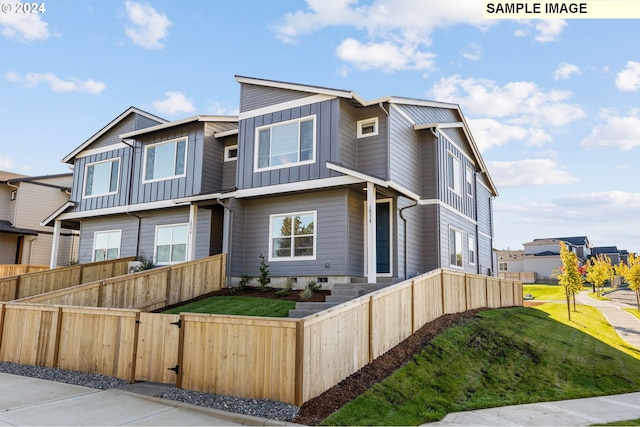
point(605, 250)
point(182, 122)
point(6, 227)
point(110, 125)
point(577, 240)
point(10, 176)
point(359, 102)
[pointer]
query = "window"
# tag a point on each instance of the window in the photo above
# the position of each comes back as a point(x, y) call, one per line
point(472, 250)
point(171, 243)
point(455, 247)
point(292, 236)
point(230, 153)
point(502, 266)
point(453, 173)
point(165, 160)
point(101, 178)
point(285, 144)
point(106, 245)
point(367, 127)
point(469, 182)
point(14, 194)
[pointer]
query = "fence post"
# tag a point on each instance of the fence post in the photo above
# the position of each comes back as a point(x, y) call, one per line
point(132, 375)
point(182, 327)
point(299, 368)
point(413, 306)
point(16, 295)
point(1, 322)
point(56, 348)
point(370, 329)
point(168, 288)
point(466, 292)
point(442, 292)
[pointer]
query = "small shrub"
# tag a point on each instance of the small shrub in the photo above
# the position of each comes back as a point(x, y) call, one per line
point(315, 287)
point(242, 285)
point(306, 294)
point(263, 280)
point(145, 263)
point(286, 291)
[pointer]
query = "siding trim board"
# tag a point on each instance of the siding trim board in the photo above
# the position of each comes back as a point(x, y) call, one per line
point(314, 99)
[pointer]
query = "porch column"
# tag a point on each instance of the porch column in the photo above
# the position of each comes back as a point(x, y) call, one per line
point(191, 237)
point(371, 233)
point(226, 230)
point(55, 244)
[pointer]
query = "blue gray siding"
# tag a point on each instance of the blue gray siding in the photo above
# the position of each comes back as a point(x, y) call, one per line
point(254, 96)
point(112, 135)
point(458, 136)
point(451, 219)
point(406, 157)
point(425, 115)
point(127, 223)
point(355, 233)
point(230, 168)
point(431, 236)
point(212, 161)
point(461, 202)
point(327, 146)
point(414, 242)
point(348, 132)
point(373, 151)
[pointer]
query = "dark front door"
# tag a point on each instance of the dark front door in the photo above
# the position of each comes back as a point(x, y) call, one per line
point(383, 238)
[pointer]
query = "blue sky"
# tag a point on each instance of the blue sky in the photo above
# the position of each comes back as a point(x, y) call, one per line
point(553, 105)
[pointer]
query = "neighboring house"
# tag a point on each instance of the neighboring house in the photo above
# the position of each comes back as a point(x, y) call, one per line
point(26, 201)
point(612, 252)
point(325, 185)
point(510, 261)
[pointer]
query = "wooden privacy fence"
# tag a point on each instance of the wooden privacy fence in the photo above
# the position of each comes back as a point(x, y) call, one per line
point(30, 284)
point(15, 269)
point(290, 360)
point(146, 290)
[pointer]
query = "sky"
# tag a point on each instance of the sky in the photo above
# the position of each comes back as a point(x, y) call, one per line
point(553, 104)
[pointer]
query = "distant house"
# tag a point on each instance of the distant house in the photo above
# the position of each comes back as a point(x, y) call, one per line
point(327, 186)
point(612, 252)
point(26, 201)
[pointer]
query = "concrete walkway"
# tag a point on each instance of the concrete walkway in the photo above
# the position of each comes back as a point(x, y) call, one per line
point(577, 412)
point(35, 402)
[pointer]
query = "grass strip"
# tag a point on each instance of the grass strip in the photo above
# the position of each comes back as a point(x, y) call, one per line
point(237, 305)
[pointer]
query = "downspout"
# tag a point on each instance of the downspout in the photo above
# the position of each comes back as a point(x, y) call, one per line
point(229, 237)
point(133, 151)
point(477, 239)
point(404, 224)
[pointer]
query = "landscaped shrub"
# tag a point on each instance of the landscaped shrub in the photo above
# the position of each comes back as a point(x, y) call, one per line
point(242, 285)
point(287, 290)
point(263, 280)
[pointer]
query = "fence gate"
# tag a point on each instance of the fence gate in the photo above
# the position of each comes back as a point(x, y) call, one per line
point(157, 354)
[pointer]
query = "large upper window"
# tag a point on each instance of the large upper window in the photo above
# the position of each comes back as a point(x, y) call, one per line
point(292, 236)
point(469, 182)
point(171, 243)
point(101, 178)
point(472, 250)
point(286, 144)
point(165, 160)
point(455, 247)
point(106, 245)
point(453, 173)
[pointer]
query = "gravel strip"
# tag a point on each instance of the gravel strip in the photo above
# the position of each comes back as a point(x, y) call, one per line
point(256, 407)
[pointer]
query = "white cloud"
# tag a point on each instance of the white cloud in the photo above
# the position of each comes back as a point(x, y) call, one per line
point(73, 84)
point(549, 30)
point(321, 13)
point(473, 52)
point(147, 28)
point(529, 173)
point(564, 71)
point(386, 56)
point(24, 27)
point(519, 103)
point(217, 109)
point(622, 133)
point(174, 102)
point(629, 79)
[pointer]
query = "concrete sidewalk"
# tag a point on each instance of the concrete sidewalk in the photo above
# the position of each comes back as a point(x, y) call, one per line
point(35, 402)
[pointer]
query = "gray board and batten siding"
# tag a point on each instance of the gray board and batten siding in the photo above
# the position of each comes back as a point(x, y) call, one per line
point(253, 97)
point(327, 146)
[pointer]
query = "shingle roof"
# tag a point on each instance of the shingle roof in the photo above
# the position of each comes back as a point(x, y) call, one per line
point(6, 227)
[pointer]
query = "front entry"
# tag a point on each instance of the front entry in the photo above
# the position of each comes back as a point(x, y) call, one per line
point(383, 237)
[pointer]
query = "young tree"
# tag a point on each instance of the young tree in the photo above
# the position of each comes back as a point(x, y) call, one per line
point(570, 276)
point(599, 270)
point(631, 274)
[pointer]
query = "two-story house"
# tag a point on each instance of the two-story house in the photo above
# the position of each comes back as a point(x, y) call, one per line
point(325, 185)
point(26, 201)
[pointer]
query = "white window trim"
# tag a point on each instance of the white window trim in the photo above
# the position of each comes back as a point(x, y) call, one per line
point(227, 150)
point(95, 233)
point(361, 123)
point(288, 165)
point(86, 169)
point(506, 266)
point(294, 258)
point(455, 266)
point(472, 249)
point(155, 243)
point(469, 180)
point(170, 141)
point(456, 180)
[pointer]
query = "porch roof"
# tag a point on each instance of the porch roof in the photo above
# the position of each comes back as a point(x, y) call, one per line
point(6, 227)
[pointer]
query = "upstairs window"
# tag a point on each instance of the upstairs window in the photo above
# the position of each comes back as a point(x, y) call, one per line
point(101, 178)
point(469, 182)
point(230, 153)
point(367, 127)
point(455, 247)
point(472, 250)
point(165, 160)
point(106, 245)
point(286, 144)
point(293, 236)
point(453, 173)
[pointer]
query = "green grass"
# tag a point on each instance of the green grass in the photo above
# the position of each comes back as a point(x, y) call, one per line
point(633, 311)
point(635, 422)
point(502, 357)
point(545, 292)
point(242, 306)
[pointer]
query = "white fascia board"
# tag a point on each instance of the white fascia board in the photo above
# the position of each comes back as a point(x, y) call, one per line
point(426, 126)
point(57, 213)
point(359, 175)
point(294, 86)
point(226, 133)
point(104, 149)
point(400, 189)
point(105, 129)
point(177, 123)
point(198, 198)
point(422, 103)
point(121, 209)
point(297, 186)
point(313, 99)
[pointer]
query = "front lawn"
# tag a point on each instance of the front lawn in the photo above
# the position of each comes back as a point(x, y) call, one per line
point(237, 305)
point(545, 292)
